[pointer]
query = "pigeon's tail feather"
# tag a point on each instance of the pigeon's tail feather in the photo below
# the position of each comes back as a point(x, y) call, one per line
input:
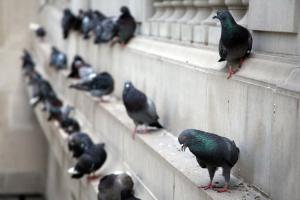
point(156, 124)
point(221, 60)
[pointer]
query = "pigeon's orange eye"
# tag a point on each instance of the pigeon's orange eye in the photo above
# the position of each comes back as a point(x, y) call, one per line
point(183, 137)
point(220, 13)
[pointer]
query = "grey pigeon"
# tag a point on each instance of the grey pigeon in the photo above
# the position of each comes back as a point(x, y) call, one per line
point(89, 162)
point(126, 26)
point(106, 30)
point(86, 24)
point(78, 143)
point(235, 42)
point(111, 186)
point(97, 84)
point(84, 70)
point(60, 113)
point(58, 59)
point(139, 107)
point(211, 151)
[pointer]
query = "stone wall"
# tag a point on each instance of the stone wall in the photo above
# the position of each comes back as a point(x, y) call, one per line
point(174, 61)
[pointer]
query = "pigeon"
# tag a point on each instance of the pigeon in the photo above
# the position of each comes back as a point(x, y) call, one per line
point(86, 24)
point(58, 59)
point(78, 21)
point(97, 84)
point(78, 143)
point(139, 107)
point(109, 29)
point(40, 32)
point(60, 113)
point(126, 26)
point(67, 22)
point(42, 91)
point(70, 125)
point(28, 64)
point(74, 69)
point(235, 42)
point(111, 186)
point(89, 162)
point(211, 151)
point(33, 76)
point(81, 69)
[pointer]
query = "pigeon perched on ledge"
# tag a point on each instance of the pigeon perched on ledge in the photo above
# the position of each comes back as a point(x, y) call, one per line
point(235, 42)
point(139, 107)
point(70, 125)
point(40, 32)
point(67, 22)
point(58, 59)
point(97, 84)
point(126, 26)
point(79, 143)
point(211, 151)
point(89, 162)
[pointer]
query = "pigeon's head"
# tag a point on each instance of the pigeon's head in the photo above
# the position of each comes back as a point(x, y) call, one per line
point(67, 11)
point(128, 85)
point(78, 63)
point(223, 14)
point(77, 57)
point(186, 139)
point(125, 10)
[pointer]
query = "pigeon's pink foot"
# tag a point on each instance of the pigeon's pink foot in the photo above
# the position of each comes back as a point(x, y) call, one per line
point(133, 133)
point(57, 128)
point(224, 189)
point(241, 61)
point(209, 186)
point(145, 130)
point(123, 45)
point(100, 100)
point(91, 178)
point(232, 72)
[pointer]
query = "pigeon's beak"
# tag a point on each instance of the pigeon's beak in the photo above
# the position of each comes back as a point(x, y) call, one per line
point(127, 85)
point(215, 16)
point(72, 171)
point(183, 147)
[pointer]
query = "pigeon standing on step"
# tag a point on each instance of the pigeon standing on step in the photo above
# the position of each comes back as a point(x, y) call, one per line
point(70, 125)
point(139, 107)
point(109, 29)
point(211, 151)
point(67, 22)
point(78, 21)
point(98, 84)
point(111, 186)
point(86, 24)
point(58, 59)
point(126, 26)
point(40, 32)
point(83, 69)
point(235, 42)
point(89, 162)
point(78, 143)
point(28, 64)
point(60, 113)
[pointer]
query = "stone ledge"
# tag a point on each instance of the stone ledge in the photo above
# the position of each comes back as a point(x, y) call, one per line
point(158, 153)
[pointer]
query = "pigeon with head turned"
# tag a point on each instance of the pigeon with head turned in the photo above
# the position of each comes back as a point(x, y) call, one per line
point(98, 84)
point(89, 162)
point(139, 107)
point(78, 143)
point(211, 151)
point(235, 42)
point(126, 26)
